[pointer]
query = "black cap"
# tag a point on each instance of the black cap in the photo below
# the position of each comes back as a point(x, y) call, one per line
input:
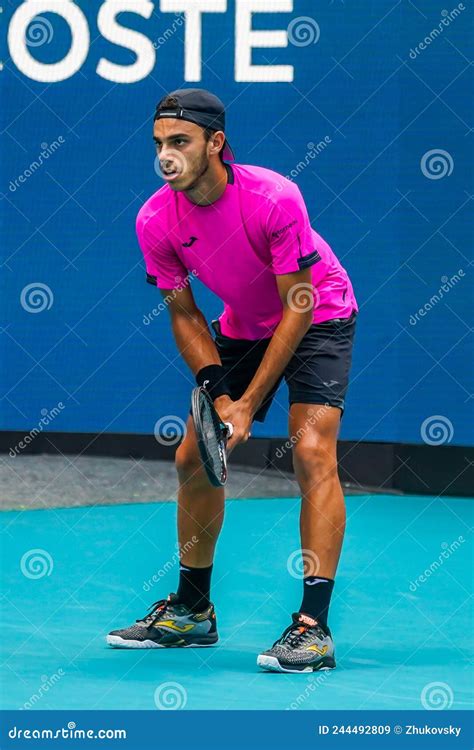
point(198, 106)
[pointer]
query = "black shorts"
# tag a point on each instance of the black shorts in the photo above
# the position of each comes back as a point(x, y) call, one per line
point(317, 373)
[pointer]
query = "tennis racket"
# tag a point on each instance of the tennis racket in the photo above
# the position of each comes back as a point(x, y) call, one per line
point(212, 435)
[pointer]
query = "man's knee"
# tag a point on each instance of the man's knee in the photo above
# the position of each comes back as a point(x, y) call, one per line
point(188, 461)
point(314, 460)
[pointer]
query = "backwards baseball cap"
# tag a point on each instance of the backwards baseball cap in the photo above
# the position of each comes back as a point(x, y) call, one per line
point(198, 106)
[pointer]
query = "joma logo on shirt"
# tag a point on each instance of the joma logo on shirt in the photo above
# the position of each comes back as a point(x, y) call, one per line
point(190, 242)
point(278, 232)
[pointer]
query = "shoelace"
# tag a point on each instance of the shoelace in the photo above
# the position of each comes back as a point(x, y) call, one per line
point(155, 610)
point(295, 634)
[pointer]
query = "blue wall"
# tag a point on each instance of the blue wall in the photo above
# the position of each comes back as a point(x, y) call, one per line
point(365, 84)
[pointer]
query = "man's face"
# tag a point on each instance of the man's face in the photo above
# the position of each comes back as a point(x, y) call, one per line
point(182, 151)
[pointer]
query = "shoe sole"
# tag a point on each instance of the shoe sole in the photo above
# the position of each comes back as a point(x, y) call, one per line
point(116, 642)
point(271, 664)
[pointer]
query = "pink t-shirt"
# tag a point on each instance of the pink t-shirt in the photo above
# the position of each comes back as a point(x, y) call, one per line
point(259, 227)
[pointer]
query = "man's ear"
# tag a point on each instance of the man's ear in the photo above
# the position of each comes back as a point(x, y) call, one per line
point(218, 140)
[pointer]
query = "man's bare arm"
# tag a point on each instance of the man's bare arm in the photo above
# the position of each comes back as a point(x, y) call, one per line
point(295, 290)
point(190, 330)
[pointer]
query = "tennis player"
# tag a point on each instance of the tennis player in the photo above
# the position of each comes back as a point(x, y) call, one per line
point(289, 312)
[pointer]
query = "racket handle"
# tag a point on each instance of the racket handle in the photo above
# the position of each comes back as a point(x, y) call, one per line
point(229, 428)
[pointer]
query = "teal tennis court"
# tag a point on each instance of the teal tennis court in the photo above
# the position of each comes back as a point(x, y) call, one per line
point(401, 613)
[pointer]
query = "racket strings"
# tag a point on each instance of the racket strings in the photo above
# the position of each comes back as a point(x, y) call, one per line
point(211, 435)
point(212, 428)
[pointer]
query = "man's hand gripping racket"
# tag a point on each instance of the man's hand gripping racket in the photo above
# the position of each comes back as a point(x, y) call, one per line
point(212, 435)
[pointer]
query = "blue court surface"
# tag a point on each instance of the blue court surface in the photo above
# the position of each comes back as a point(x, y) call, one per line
point(401, 613)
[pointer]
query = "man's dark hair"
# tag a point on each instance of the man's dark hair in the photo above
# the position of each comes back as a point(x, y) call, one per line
point(169, 102)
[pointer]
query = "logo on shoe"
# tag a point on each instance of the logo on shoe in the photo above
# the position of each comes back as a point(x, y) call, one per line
point(173, 626)
point(321, 651)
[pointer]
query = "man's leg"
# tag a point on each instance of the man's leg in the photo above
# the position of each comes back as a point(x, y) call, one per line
point(314, 429)
point(307, 645)
point(200, 518)
point(200, 505)
point(186, 618)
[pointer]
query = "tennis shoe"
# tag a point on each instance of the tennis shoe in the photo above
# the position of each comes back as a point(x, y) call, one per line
point(169, 624)
point(303, 647)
